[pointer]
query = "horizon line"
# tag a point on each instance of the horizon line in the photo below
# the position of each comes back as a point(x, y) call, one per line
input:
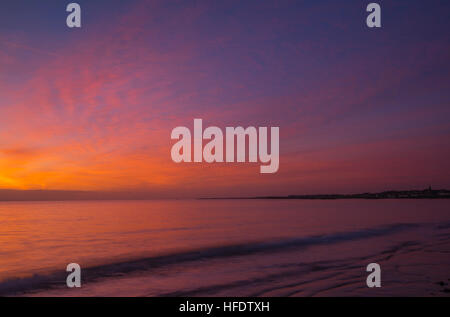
point(23, 195)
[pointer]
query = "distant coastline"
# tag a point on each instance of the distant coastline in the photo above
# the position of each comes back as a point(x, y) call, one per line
point(393, 194)
point(63, 195)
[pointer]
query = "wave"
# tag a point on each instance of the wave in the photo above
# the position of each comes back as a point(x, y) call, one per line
point(13, 286)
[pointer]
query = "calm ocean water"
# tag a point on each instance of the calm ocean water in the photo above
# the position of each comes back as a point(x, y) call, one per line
point(225, 247)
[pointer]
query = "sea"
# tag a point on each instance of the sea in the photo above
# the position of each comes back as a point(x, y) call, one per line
point(254, 247)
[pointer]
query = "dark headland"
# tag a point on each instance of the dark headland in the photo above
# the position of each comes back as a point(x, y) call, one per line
point(392, 194)
point(62, 195)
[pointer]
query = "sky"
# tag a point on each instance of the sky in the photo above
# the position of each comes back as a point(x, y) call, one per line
point(92, 108)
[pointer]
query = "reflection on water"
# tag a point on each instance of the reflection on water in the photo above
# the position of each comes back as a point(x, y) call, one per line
point(225, 247)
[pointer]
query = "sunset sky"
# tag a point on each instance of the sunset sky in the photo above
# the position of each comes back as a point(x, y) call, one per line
point(358, 109)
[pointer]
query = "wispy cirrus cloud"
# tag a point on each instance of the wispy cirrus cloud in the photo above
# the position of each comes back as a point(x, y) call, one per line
point(96, 111)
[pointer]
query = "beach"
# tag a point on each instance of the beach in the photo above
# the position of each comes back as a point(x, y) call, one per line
point(225, 247)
